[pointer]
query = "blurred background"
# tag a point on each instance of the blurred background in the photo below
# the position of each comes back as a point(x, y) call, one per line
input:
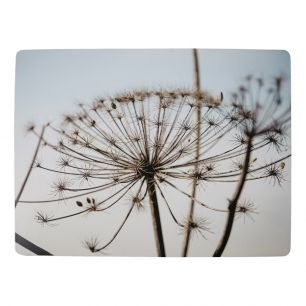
point(51, 83)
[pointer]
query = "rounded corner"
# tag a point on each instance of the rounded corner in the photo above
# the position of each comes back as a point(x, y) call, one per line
point(287, 54)
point(18, 251)
point(19, 53)
point(287, 252)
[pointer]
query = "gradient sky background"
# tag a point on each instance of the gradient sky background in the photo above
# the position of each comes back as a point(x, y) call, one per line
point(49, 83)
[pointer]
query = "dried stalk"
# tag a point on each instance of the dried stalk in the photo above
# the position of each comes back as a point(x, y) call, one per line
point(233, 203)
point(158, 233)
point(197, 154)
point(31, 166)
point(19, 239)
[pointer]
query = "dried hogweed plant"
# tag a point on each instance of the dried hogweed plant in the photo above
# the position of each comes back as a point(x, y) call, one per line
point(139, 146)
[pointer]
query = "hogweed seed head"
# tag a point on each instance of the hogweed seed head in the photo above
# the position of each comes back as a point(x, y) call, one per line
point(135, 140)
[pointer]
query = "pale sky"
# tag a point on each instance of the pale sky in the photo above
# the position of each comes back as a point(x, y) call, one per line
point(50, 83)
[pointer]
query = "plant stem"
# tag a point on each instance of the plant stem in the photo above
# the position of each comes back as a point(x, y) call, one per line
point(196, 72)
point(31, 166)
point(233, 203)
point(19, 239)
point(158, 233)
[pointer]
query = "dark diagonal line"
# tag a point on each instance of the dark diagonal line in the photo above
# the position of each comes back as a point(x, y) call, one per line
point(31, 246)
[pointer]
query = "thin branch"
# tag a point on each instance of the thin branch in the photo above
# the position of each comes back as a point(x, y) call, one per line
point(197, 154)
point(233, 203)
point(31, 166)
point(118, 231)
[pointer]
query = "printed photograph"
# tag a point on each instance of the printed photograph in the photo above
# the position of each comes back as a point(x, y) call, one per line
point(153, 152)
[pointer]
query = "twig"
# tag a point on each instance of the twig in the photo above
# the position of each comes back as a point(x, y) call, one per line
point(31, 167)
point(197, 155)
point(233, 203)
point(19, 239)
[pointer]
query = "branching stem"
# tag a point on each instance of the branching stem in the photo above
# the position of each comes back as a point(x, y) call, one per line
point(31, 166)
point(233, 203)
point(197, 154)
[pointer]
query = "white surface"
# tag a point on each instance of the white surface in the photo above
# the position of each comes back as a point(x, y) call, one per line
point(130, 281)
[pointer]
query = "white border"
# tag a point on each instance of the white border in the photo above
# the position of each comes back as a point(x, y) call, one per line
point(136, 281)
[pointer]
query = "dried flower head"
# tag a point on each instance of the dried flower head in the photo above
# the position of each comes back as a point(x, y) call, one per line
point(198, 226)
point(43, 218)
point(30, 127)
point(143, 142)
point(91, 244)
point(275, 173)
point(246, 209)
